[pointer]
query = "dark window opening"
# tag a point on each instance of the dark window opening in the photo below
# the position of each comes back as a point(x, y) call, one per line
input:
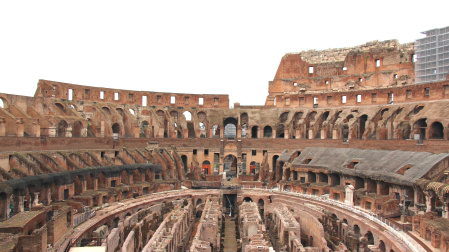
point(195, 151)
point(206, 152)
point(113, 183)
point(254, 152)
point(116, 153)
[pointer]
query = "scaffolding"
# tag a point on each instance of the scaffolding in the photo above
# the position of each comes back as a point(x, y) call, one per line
point(432, 56)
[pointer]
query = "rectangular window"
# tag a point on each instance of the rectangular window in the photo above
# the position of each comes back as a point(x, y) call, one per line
point(201, 100)
point(301, 100)
point(310, 69)
point(130, 97)
point(426, 92)
point(408, 94)
point(187, 99)
point(216, 101)
point(377, 62)
point(390, 98)
point(115, 96)
point(395, 76)
point(374, 98)
point(159, 99)
point(172, 99)
point(206, 152)
point(343, 99)
point(70, 94)
point(345, 68)
point(359, 98)
point(326, 82)
point(329, 100)
point(87, 92)
point(102, 95)
point(195, 151)
point(287, 101)
point(315, 100)
point(243, 157)
point(414, 58)
point(295, 84)
point(144, 100)
point(360, 79)
point(254, 152)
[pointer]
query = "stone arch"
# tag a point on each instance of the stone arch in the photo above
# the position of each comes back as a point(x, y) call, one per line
point(184, 162)
point(436, 131)
point(267, 132)
point(247, 199)
point(144, 128)
point(199, 202)
point(362, 125)
point(202, 116)
point(120, 111)
point(174, 114)
point(106, 110)
point(215, 131)
point(369, 237)
point(62, 128)
point(116, 128)
point(404, 130)
point(202, 128)
point(115, 222)
point(77, 129)
point(356, 230)
point(90, 181)
point(91, 128)
point(244, 118)
point(230, 127)
point(205, 167)
point(3, 102)
point(382, 247)
point(283, 117)
point(420, 127)
point(60, 106)
point(254, 131)
point(190, 127)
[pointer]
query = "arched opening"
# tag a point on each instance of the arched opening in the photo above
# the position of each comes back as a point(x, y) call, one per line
point(62, 128)
point(143, 129)
point(252, 167)
point(436, 131)
point(345, 132)
point(283, 118)
point(356, 231)
point(420, 127)
point(273, 163)
point(91, 128)
point(230, 127)
point(359, 183)
point(205, 168)
point(202, 130)
point(190, 127)
point(362, 125)
point(267, 132)
point(215, 131)
point(247, 199)
point(2, 103)
point(115, 222)
point(199, 202)
point(382, 246)
point(280, 131)
point(132, 112)
point(254, 131)
point(230, 165)
point(77, 129)
point(120, 111)
point(106, 110)
point(184, 162)
point(244, 118)
point(3, 201)
point(60, 107)
point(370, 238)
point(404, 129)
point(116, 128)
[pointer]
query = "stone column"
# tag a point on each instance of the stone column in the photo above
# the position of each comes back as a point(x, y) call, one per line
point(36, 199)
point(349, 195)
point(286, 134)
point(68, 132)
point(428, 196)
point(19, 127)
point(323, 134)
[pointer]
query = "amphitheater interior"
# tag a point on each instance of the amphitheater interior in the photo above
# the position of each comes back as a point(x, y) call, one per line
point(348, 153)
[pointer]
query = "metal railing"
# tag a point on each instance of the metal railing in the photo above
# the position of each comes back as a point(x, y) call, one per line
point(83, 217)
point(393, 229)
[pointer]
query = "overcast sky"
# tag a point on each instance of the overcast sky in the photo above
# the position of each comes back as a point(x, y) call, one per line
point(203, 47)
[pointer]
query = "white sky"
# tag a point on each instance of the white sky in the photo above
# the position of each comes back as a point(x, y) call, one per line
point(215, 47)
